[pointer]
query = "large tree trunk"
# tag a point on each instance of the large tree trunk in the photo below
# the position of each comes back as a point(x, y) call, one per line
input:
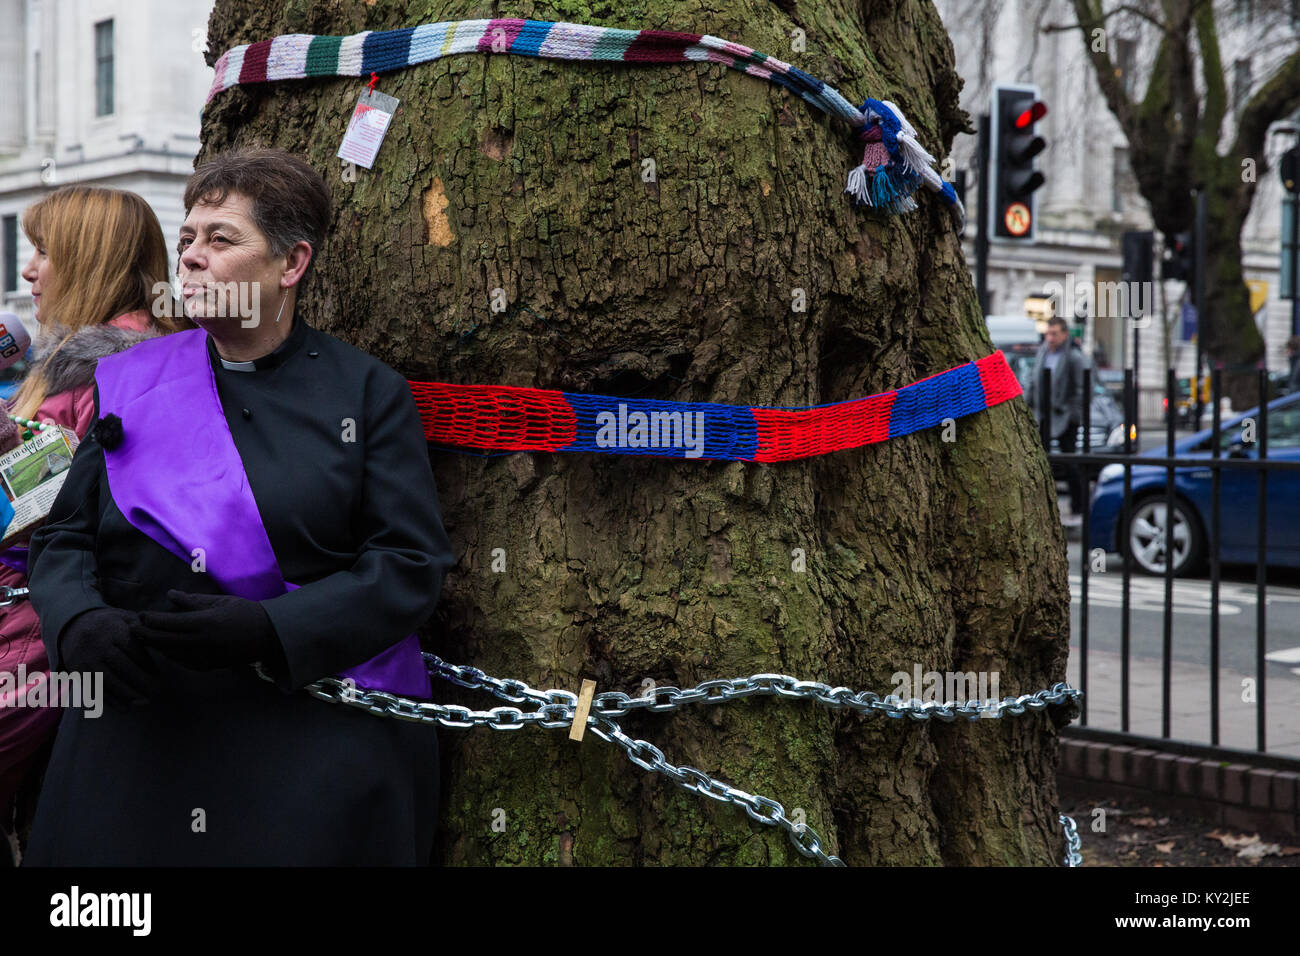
point(1173, 136)
point(1230, 333)
point(526, 175)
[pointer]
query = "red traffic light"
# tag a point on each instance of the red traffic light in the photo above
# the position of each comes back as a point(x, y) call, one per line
point(1013, 148)
point(1029, 117)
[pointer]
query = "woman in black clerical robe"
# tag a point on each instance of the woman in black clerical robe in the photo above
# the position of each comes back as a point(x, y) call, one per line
point(254, 491)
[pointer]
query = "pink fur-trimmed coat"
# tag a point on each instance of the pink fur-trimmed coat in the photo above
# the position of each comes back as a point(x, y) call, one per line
point(71, 403)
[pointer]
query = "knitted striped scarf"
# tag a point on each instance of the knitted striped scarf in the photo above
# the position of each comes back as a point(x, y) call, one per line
point(503, 418)
point(893, 163)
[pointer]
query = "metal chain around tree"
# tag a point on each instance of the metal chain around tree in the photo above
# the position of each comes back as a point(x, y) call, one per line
point(557, 709)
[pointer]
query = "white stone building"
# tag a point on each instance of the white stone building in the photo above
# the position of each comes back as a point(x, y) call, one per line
point(1090, 198)
point(99, 91)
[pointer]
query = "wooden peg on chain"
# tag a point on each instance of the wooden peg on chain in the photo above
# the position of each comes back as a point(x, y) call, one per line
point(580, 713)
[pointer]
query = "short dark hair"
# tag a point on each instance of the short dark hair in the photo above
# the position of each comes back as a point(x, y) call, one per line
point(290, 200)
point(1060, 323)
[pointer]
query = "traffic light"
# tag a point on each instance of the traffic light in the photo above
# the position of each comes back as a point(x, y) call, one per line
point(1014, 148)
point(1137, 250)
point(1290, 170)
point(1180, 258)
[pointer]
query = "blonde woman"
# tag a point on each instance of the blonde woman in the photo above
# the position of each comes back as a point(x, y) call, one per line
point(100, 257)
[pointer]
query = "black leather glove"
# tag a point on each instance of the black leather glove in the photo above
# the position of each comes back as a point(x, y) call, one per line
point(100, 640)
point(212, 631)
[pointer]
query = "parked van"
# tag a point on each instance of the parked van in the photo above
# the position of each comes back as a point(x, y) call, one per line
point(1007, 330)
point(1016, 336)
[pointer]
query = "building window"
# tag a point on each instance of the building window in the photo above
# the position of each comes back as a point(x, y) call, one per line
point(1240, 84)
point(104, 68)
point(1125, 55)
point(9, 249)
point(1121, 178)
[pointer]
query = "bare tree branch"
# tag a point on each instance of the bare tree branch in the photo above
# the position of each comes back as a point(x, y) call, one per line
point(1275, 100)
point(1117, 98)
point(1216, 89)
point(1103, 16)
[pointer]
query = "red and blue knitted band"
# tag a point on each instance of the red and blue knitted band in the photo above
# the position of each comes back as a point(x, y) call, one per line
point(503, 418)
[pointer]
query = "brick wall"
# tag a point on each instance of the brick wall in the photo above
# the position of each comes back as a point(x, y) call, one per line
point(1236, 795)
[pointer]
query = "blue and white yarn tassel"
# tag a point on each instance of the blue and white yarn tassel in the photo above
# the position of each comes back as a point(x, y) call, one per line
point(894, 163)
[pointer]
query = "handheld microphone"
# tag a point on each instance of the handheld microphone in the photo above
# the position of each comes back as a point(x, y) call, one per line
point(15, 340)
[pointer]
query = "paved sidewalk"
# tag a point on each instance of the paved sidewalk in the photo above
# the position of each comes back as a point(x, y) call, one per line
point(1190, 702)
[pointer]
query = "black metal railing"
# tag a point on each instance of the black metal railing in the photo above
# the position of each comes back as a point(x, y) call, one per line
point(1086, 460)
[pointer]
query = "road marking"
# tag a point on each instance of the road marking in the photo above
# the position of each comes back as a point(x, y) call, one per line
point(1289, 655)
point(1189, 597)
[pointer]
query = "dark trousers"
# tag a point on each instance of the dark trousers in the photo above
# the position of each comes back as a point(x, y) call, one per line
point(1068, 443)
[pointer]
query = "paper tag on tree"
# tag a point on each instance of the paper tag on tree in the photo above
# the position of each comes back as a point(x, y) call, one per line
point(367, 128)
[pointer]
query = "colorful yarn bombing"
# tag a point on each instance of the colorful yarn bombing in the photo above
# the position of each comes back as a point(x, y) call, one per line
point(893, 164)
point(506, 418)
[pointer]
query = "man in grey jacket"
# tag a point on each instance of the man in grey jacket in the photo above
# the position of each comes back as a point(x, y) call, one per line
point(1066, 406)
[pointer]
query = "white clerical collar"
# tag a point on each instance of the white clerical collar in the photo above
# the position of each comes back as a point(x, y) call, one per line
point(297, 335)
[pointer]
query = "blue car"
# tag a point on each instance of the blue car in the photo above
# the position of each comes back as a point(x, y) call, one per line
point(1138, 531)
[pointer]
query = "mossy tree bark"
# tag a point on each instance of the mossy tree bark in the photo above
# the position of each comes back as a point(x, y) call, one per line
point(506, 178)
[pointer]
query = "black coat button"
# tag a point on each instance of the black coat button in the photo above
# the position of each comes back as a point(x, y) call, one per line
point(247, 414)
point(313, 355)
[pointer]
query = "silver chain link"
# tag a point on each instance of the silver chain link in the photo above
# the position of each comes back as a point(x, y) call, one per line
point(556, 710)
point(1073, 845)
point(10, 595)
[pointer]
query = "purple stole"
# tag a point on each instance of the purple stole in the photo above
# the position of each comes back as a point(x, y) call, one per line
point(178, 478)
point(15, 556)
